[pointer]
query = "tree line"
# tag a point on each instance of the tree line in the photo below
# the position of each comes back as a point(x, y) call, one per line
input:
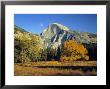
point(28, 48)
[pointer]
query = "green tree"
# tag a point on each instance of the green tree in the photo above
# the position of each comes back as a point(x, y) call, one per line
point(26, 46)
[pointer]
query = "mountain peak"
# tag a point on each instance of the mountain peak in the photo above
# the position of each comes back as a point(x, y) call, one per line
point(62, 27)
point(55, 34)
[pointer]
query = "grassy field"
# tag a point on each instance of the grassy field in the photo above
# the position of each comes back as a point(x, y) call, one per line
point(55, 68)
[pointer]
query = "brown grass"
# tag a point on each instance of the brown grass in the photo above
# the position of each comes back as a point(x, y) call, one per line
point(57, 63)
point(28, 69)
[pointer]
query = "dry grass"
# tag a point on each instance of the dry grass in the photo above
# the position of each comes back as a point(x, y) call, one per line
point(57, 63)
point(27, 69)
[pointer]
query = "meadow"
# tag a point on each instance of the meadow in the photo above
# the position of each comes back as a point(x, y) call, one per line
point(56, 68)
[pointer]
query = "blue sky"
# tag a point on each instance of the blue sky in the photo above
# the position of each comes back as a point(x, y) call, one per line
point(36, 23)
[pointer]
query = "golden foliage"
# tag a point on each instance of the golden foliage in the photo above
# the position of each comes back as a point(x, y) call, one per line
point(73, 50)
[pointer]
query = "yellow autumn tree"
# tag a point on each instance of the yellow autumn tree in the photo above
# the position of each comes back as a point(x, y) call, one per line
point(73, 51)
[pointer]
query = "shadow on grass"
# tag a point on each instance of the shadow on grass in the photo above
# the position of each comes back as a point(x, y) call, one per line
point(83, 68)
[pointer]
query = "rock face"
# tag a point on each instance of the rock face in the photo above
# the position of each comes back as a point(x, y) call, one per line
point(55, 34)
